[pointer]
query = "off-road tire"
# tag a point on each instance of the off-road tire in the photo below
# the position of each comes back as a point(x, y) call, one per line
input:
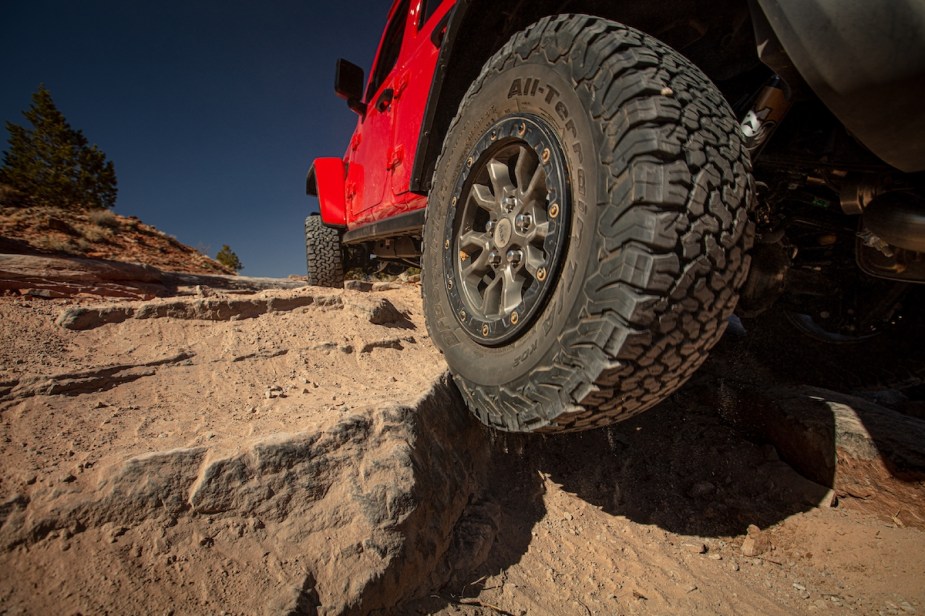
point(324, 255)
point(658, 227)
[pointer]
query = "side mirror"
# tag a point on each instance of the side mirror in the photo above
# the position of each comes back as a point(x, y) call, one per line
point(348, 84)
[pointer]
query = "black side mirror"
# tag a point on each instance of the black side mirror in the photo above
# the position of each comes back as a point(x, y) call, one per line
point(348, 84)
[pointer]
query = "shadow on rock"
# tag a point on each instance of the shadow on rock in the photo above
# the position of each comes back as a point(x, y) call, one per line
point(679, 466)
point(495, 530)
point(849, 417)
point(739, 445)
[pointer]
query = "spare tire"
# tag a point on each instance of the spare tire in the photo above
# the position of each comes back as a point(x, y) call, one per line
point(587, 228)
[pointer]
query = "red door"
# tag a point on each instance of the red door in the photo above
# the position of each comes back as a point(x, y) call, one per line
point(368, 174)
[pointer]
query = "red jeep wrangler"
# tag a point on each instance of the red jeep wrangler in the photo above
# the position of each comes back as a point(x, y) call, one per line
point(581, 183)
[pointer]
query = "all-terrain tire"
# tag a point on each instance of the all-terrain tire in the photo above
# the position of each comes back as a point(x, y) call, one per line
point(324, 254)
point(656, 230)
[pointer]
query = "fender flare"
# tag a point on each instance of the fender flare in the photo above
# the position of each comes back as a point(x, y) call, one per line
point(428, 147)
point(326, 180)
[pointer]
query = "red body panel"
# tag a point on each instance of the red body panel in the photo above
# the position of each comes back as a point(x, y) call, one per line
point(379, 158)
point(329, 185)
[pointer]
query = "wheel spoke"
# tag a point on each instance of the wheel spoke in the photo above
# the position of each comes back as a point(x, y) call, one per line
point(537, 186)
point(482, 196)
point(534, 260)
point(511, 295)
point(473, 270)
point(491, 298)
point(500, 178)
point(475, 239)
point(474, 266)
point(522, 168)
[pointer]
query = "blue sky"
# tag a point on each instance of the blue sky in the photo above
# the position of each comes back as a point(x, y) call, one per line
point(210, 110)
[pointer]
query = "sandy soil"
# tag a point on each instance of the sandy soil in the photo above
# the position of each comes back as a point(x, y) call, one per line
point(681, 510)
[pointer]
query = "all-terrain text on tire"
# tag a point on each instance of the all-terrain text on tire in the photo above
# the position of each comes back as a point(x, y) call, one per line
point(591, 195)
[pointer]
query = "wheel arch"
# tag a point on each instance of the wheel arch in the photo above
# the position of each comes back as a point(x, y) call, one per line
point(326, 180)
point(707, 38)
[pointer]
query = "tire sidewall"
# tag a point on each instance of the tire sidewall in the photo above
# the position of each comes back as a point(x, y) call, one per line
point(540, 89)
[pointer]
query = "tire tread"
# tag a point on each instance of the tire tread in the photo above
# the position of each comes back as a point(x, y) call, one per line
point(673, 238)
point(323, 254)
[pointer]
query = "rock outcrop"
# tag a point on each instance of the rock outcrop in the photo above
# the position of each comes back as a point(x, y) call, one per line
point(374, 500)
point(56, 277)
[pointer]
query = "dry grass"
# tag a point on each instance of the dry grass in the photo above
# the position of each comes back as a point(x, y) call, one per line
point(104, 218)
point(57, 244)
point(97, 234)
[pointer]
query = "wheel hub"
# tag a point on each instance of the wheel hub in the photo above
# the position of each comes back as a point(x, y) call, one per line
point(507, 230)
point(504, 232)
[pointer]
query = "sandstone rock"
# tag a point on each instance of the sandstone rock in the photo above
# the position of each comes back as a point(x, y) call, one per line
point(756, 543)
point(843, 442)
point(694, 548)
point(358, 285)
point(378, 494)
point(72, 276)
point(378, 310)
point(93, 380)
point(69, 276)
point(205, 309)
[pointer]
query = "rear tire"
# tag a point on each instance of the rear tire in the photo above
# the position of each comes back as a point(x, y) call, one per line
point(324, 254)
point(587, 228)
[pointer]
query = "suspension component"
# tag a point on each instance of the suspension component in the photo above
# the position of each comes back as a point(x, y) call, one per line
point(770, 107)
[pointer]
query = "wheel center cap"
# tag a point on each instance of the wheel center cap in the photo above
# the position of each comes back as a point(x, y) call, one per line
point(503, 232)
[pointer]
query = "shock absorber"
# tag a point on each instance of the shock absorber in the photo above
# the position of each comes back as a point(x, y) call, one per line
point(769, 108)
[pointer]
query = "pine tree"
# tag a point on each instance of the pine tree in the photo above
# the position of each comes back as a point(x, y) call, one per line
point(52, 164)
point(228, 258)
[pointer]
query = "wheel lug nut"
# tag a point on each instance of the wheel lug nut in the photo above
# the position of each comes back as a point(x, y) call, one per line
point(523, 222)
point(514, 257)
point(494, 259)
point(509, 203)
point(489, 226)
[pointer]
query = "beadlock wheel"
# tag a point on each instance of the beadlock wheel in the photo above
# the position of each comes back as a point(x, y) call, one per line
point(509, 229)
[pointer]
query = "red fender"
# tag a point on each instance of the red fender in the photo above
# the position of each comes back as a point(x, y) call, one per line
point(326, 181)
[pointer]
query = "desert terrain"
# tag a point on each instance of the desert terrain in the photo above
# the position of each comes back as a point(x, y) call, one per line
point(214, 446)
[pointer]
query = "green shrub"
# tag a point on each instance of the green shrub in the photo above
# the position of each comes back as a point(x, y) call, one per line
point(228, 258)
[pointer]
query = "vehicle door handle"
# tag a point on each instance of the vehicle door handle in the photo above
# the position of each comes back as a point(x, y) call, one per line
point(385, 99)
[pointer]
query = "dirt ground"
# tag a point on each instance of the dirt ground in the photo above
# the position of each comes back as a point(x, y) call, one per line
point(688, 508)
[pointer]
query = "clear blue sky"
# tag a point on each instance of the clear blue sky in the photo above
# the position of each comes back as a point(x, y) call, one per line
point(211, 110)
